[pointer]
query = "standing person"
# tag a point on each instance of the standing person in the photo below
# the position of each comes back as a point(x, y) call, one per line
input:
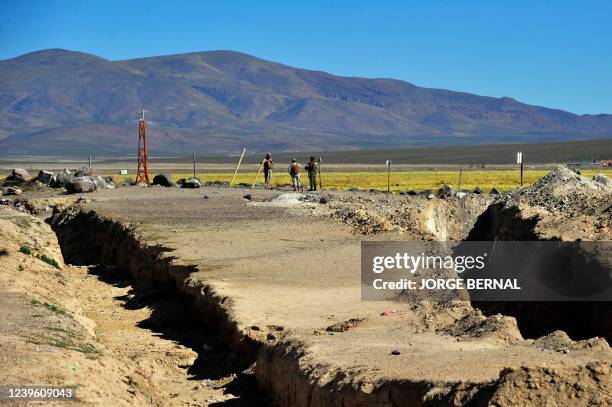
point(267, 167)
point(312, 167)
point(294, 170)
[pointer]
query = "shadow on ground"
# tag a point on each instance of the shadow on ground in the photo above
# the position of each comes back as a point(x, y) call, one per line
point(170, 320)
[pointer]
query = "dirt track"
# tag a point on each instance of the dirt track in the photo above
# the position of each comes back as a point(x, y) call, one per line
point(286, 274)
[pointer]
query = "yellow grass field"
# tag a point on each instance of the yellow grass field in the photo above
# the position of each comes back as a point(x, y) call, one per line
point(503, 180)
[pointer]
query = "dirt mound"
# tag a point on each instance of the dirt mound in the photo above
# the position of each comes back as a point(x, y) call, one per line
point(561, 206)
point(412, 216)
point(498, 328)
point(577, 386)
point(565, 192)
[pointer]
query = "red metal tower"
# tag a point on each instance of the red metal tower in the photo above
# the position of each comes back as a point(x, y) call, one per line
point(143, 168)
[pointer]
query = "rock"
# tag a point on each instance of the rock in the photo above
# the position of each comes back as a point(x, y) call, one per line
point(164, 179)
point(412, 192)
point(11, 191)
point(311, 196)
point(45, 177)
point(85, 172)
point(494, 191)
point(248, 197)
point(5, 201)
point(191, 183)
point(324, 199)
point(445, 192)
point(430, 196)
point(602, 179)
point(477, 190)
point(461, 194)
point(81, 185)
point(353, 190)
point(577, 171)
point(60, 179)
point(20, 174)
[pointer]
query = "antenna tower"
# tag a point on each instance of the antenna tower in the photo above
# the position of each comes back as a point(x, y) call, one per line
point(143, 167)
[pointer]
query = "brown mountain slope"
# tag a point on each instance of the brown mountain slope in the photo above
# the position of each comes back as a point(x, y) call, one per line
point(63, 102)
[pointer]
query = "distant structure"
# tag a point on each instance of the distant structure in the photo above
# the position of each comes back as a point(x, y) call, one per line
point(142, 177)
point(606, 163)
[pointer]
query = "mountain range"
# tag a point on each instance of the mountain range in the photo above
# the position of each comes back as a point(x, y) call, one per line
point(59, 102)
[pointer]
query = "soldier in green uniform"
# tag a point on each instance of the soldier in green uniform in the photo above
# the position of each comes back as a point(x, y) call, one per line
point(311, 167)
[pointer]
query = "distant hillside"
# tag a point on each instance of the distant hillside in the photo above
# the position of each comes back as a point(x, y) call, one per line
point(63, 102)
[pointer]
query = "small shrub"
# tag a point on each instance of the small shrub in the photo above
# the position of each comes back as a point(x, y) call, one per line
point(49, 260)
point(25, 250)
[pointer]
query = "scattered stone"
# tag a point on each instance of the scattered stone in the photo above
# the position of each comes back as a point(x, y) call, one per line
point(324, 199)
point(461, 194)
point(477, 190)
point(224, 184)
point(396, 352)
point(248, 197)
point(82, 199)
point(353, 190)
point(11, 191)
point(5, 201)
point(494, 191)
point(577, 171)
point(205, 196)
point(412, 192)
point(165, 180)
point(430, 196)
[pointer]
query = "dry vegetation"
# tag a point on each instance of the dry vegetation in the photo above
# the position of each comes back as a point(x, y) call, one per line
point(503, 180)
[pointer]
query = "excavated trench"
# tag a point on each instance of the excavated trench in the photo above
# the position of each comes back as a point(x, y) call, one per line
point(580, 320)
point(86, 238)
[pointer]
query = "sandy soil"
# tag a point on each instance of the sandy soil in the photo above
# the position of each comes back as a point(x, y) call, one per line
point(82, 327)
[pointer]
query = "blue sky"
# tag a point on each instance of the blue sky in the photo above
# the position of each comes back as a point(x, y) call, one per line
point(551, 53)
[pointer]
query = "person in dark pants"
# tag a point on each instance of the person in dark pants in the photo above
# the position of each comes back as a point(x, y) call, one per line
point(311, 167)
point(267, 168)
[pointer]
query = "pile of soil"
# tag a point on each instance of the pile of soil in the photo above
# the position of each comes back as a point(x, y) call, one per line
point(562, 205)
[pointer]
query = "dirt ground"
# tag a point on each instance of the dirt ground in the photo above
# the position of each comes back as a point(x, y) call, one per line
point(82, 327)
point(291, 274)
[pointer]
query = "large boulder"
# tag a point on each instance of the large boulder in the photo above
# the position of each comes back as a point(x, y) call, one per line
point(20, 174)
point(60, 179)
point(165, 180)
point(45, 177)
point(81, 185)
point(86, 172)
